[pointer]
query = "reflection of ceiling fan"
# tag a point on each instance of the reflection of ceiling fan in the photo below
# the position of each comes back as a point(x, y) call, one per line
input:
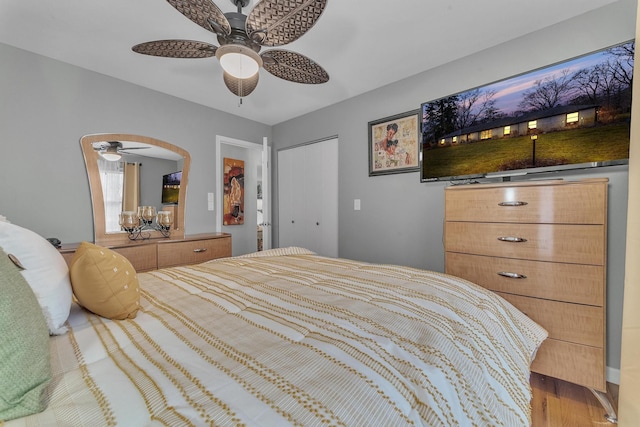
point(113, 150)
point(270, 23)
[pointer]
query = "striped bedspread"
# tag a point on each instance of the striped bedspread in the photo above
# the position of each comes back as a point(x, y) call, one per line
point(287, 337)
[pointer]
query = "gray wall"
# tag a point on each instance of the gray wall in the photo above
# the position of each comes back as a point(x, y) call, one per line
point(401, 219)
point(47, 106)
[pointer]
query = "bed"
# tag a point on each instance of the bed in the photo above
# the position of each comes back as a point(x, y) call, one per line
point(288, 337)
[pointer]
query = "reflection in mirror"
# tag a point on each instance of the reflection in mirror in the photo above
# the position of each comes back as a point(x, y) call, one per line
point(129, 171)
point(135, 180)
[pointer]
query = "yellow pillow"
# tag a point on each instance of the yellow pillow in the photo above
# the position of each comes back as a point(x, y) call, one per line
point(104, 282)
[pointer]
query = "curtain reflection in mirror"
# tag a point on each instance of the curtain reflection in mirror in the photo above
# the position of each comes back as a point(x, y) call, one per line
point(131, 196)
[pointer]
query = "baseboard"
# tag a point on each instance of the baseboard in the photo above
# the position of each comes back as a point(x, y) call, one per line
point(613, 375)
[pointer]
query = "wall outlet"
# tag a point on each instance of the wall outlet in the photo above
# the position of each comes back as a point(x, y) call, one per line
point(356, 204)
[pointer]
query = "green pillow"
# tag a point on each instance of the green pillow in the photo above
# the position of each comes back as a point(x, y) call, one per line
point(25, 368)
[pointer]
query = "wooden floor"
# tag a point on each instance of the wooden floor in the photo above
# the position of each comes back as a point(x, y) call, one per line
point(558, 403)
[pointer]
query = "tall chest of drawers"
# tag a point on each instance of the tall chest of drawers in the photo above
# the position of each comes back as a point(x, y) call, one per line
point(542, 246)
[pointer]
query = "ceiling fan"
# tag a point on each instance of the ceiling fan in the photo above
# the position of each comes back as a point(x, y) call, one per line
point(270, 23)
point(113, 150)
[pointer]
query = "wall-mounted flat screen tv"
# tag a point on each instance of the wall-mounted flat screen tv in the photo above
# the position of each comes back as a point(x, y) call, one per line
point(171, 188)
point(574, 114)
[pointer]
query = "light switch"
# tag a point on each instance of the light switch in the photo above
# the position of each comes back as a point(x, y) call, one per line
point(356, 204)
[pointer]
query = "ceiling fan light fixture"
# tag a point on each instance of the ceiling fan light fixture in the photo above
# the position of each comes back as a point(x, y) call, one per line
point(270, 23)
point(239, 61)
point(111, 157)
point(111, 154)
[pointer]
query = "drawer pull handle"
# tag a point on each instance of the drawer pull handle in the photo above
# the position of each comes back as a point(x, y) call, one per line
point(512, 203)
point(200, 250)
point(512, 239)
point(511, 275)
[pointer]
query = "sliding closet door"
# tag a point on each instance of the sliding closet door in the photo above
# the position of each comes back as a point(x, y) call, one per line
point(324, 209)
point(287, 233)
point(308, 197)
point(313, 198)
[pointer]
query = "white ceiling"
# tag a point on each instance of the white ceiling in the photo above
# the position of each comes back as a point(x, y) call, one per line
point(363, 44)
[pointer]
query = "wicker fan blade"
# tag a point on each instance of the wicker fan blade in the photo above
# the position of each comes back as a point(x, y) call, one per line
point(176, 49)
point(204, 13)
point(278, 22)
point(241, 87)
point(293, 67)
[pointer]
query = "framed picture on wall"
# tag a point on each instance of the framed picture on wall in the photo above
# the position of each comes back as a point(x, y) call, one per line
point(394, 144)
point(233, 192)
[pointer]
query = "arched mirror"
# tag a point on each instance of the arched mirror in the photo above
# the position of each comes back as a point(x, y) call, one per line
point(130, 171)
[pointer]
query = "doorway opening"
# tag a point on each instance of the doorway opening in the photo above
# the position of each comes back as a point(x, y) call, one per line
point(254, 234)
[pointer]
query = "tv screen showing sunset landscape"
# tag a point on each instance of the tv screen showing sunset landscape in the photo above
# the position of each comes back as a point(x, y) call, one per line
point(571, 114)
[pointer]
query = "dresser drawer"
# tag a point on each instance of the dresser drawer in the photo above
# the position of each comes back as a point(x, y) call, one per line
point(583, 203)
point(578, 283)
point(192, 251)
point(579, 364)
point(142, 257)
point(576, 323)
point(581, 244)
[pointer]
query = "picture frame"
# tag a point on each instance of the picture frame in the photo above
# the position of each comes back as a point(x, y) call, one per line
point(394, 144)
point(233, 196)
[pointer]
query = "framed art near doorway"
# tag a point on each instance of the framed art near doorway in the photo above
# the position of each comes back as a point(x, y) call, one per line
point(233, 192)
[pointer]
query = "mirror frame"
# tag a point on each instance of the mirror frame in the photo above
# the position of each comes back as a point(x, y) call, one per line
point(95, 186)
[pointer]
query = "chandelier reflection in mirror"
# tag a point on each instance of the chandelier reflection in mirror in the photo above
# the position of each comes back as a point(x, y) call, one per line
point(139, 225)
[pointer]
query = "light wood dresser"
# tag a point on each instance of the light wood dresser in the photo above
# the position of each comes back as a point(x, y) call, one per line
point(542, 246)
point(152, 254)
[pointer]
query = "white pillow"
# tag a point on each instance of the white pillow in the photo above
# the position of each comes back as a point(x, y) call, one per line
point(45, 271)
